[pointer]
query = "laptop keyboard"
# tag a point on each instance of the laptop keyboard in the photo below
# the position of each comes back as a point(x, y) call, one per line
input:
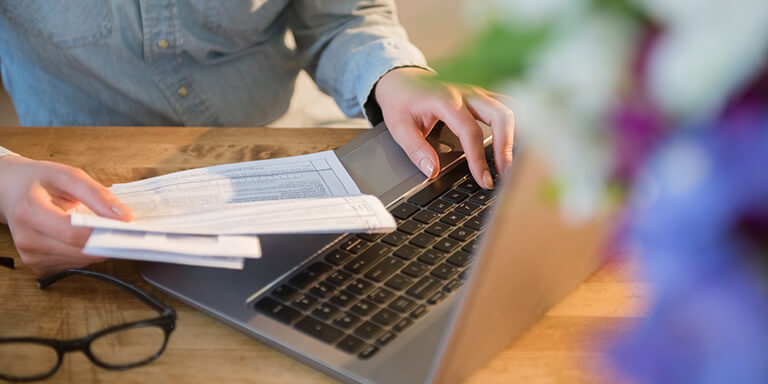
point(369, 288)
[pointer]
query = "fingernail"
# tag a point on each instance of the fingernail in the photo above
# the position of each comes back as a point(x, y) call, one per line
point(427, 166)
point(119, 211)
point(487, 180)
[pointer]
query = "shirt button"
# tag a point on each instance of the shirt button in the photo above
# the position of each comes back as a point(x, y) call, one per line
point(163, 43)
point(182, 91)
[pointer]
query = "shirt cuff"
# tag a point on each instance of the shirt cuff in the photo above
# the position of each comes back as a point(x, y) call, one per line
point(369, 64)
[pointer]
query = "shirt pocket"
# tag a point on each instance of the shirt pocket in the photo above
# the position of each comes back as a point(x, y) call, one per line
point(243, 21)
point(66, 23)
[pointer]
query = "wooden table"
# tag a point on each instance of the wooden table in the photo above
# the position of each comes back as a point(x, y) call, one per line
point(564, 346)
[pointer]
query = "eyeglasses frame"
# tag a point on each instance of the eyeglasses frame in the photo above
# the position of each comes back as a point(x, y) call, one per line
point(166, 321)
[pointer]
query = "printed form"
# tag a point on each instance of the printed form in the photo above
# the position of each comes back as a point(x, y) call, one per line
point(302, 194)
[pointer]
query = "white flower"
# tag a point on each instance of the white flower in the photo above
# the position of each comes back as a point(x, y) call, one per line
point(708, 51)
point(566, 95)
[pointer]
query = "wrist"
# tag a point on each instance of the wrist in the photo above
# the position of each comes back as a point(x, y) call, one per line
point(397, 77)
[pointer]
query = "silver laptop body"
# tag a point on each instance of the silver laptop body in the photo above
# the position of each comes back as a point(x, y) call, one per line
point(517, 275)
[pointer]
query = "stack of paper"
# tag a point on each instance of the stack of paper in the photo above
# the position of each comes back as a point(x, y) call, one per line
point(211, 216)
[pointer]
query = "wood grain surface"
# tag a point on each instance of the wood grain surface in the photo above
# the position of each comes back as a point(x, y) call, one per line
point(563, 347)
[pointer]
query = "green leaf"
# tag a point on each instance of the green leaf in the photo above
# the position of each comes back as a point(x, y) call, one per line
point(501, 52)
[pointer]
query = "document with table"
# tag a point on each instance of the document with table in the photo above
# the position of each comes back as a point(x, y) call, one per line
point(212, 216)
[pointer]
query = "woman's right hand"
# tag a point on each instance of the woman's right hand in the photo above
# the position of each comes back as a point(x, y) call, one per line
point(34, 199)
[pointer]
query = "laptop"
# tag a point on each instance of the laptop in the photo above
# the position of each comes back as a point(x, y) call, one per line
point(466, 272)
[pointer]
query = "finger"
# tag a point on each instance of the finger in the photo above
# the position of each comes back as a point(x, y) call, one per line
point(410, 137)
point(77, 184)
point(46, 255)
point(501, 119)
point(50, 220)
point(459, 119)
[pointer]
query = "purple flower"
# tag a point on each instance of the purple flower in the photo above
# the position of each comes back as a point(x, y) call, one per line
point(698, 219)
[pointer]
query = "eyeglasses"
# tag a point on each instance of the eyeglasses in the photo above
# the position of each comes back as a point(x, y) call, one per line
point(118, 347)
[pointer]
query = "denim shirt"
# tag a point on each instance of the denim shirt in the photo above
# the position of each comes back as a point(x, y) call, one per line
point(191, 62)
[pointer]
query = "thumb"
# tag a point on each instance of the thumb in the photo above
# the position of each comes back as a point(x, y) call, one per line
point(410, 137)
point(78, 185)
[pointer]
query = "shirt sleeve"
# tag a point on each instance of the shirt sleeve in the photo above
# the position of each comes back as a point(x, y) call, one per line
point(348, 45)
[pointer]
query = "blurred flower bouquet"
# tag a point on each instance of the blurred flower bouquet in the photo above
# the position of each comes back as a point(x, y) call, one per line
point(663, 104)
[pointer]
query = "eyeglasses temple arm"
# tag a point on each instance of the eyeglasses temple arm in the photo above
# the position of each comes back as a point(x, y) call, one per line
point(148, 299)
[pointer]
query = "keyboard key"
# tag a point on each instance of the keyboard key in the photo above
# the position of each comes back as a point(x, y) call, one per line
point(471, 247)
point(399, 282)
point(339, 278)
point(368, 330)
point(395, 238)
point(438, 229)
point(322, 290)
point(410, 227)
point(445, 271)
point(437, 297)
point(360, 287)
point(304, 302)
point(343, 299)
point(484, 212)
point(367, 352)
point(439, 186)
point(460, 259)
point(415, 269)
point(453, 218)
point(423, 240)
point(385, 317)
point(381, 295)
point(364, 308)
point(401, 304)
point(368, 258)
point(467, 208)
point(370, 236)
point(324, 311)
point(455, 196)
point(431, 257)
point(319, 329)
point(354, 245)
point(277, 310)
point(404, 211)
point(420, 311)
point(424, 288)
point(385, 338)
point(358, 247)
point(385, 269)
point(426, 217)
point(482, 197)
point(351, 344)
point(284, 293)
point(309, 275)
point(462, 234)
point(453, 285)
point(439, 206)
point(407, 252)
point(447, 244)
point(346, 320)
point(475, 223)
point(337, 257)
point(401, 325)
point(468, 186)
